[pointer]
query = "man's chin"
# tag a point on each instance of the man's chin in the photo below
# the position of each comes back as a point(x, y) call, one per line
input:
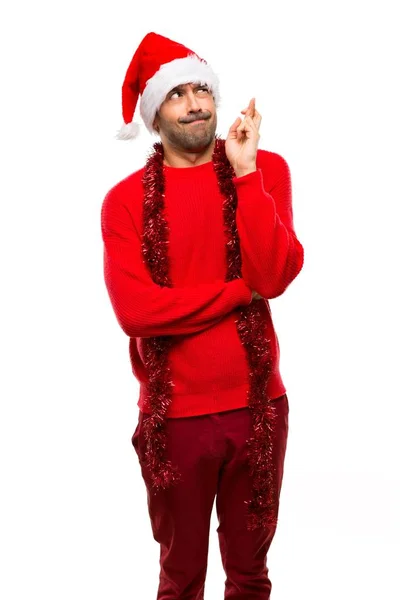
point(198, 144)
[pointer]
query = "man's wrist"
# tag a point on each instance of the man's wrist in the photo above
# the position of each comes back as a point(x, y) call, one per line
point(247, 171)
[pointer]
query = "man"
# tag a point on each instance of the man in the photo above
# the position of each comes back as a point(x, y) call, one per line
point(195, 244)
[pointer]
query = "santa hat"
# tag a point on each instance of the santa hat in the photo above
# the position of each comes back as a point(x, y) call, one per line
point(158, 65)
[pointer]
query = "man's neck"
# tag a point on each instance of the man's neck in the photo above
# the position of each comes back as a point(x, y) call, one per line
point(187, 159)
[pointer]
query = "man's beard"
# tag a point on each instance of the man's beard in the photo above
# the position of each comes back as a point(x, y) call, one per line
point(190, 137)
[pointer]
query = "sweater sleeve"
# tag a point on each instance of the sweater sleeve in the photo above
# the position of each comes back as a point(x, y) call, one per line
point(272, 256)
point(144, 308)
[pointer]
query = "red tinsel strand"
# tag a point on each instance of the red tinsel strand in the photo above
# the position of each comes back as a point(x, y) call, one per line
point(251, 329)
point(155, 349)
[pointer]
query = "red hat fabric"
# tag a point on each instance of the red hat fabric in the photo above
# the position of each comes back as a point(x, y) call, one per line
point(158, 65)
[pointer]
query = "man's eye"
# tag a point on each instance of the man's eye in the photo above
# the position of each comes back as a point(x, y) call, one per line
point(203, 88)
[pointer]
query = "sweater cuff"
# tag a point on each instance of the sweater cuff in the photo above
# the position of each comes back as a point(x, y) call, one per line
point(255, 178)
point(242, 291)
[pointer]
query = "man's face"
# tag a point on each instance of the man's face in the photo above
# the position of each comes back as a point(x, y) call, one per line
point(176, 117)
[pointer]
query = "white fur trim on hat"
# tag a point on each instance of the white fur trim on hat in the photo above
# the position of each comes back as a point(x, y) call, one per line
point(177, 72)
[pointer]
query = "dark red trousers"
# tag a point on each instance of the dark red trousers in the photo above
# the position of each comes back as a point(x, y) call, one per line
point(211, 454)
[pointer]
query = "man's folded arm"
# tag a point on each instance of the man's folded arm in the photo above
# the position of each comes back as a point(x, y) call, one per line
point(144, 308)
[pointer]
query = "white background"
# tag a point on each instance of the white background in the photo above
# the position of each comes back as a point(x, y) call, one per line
point(333, 82)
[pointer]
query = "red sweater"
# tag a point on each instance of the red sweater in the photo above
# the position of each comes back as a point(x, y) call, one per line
point(208, 362)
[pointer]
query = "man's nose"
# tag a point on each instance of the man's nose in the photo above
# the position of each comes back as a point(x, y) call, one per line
point(193, 102)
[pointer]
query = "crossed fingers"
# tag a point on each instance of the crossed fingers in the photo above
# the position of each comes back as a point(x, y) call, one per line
point(252, 114)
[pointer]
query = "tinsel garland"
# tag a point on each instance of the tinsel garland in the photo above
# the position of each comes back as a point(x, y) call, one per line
point(261, 510)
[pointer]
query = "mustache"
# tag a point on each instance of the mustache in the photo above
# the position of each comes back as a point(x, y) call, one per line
point(197, 117)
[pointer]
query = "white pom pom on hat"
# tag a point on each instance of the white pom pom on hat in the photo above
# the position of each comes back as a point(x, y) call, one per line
point(128, 131)
point(158, 65)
